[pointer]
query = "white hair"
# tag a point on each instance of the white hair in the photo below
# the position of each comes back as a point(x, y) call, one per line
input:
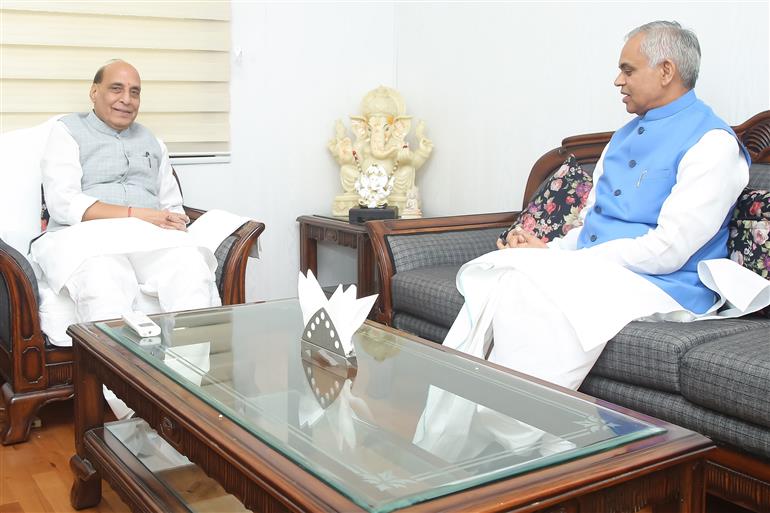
point(668, 40)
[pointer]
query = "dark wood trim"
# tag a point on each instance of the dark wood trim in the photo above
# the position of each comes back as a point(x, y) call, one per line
point(26, 374)
point(739, 478)
point(755, 135)
point(140, 488)
point(234, 272)
point(21, 408)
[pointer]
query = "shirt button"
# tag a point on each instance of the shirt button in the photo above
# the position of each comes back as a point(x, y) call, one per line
point(593, 238)
point(640, 130)
point(598, 209)
point(617, 192)
point(631, 163)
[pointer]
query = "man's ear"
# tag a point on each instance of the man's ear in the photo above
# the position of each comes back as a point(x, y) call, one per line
point(92, 93)
point(668, 72)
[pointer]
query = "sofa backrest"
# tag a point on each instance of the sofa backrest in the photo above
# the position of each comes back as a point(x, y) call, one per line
point(759, 176)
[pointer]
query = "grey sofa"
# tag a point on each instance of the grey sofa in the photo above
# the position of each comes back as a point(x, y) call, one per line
point(709, 376)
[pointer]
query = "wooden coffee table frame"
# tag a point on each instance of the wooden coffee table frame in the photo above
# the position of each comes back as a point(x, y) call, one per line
point(664, 473)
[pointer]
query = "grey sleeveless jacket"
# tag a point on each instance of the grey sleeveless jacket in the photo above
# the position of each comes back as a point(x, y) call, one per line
point(120, 168)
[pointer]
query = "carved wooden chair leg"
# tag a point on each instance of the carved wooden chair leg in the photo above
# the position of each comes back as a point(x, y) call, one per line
point(20, 410)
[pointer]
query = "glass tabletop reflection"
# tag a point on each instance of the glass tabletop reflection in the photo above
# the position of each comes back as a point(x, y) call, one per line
point(396, 423)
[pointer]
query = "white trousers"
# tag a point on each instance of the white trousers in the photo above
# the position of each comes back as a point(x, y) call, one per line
point(105, 286)
point(534, 337)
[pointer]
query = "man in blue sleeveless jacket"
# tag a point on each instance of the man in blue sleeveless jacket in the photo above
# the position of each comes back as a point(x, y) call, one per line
point(664, 189)
point(109, 188)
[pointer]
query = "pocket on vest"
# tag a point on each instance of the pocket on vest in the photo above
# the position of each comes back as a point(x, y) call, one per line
point(657, 174)
point(141, 164)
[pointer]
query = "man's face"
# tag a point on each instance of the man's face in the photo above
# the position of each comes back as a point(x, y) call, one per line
point(116, 98)
point(641, 85)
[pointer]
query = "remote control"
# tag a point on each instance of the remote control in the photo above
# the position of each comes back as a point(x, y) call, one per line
point(141, 324)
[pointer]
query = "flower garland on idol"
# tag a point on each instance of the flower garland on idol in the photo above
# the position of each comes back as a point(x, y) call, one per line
point(373, 185)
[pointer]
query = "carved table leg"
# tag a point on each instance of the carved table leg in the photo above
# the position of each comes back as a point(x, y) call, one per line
point(89, 413)
point(308, 250)
point(366, 265)
point(87, 488)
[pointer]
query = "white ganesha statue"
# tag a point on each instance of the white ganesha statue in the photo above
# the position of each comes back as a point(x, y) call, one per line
point(380, 145)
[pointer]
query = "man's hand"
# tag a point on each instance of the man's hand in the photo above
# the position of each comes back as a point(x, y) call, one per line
point(163, 218)
point(518, 238)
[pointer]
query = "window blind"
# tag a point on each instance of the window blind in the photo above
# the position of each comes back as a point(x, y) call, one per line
point(49, 52)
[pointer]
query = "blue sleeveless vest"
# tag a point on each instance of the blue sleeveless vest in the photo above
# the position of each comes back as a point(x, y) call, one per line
point(640, 169)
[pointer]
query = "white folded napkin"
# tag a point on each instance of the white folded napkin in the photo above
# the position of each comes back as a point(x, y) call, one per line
point(345, 311)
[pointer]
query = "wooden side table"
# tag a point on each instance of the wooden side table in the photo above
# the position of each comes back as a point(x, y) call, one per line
point(338, 231)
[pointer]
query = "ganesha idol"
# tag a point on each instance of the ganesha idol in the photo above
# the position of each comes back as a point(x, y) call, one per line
point(380, 134)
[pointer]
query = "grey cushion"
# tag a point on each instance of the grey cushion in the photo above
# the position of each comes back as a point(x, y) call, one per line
point(430, 249)
point(649, 353)
point(678, 410)
point(419, 327)
point(428, 293)
point(759, 176)
point(223, 250)
point(731, 375)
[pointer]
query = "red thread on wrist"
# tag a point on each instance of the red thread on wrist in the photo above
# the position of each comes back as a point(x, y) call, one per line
point(129, 211)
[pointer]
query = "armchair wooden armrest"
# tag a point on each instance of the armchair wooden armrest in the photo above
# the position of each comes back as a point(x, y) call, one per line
point(379, 231)
point(232, 257)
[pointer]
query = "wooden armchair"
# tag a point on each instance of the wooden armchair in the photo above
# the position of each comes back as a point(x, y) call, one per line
point(34, 372)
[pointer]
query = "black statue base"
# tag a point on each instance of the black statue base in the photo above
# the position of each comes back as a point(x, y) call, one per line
point(363, 214)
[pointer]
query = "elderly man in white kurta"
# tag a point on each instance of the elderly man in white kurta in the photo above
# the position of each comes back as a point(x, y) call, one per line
point(117, 224)
point(664, 189)
point(653, 245)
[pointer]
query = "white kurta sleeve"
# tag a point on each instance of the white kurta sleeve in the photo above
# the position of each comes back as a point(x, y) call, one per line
point(169, 195)
point(710, 177)
point(62, 177)
point(569, 241)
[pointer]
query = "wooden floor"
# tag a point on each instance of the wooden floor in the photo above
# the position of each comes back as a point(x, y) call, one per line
point(35, 476)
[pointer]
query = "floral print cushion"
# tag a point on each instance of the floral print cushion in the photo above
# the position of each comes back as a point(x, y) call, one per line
point(556, 207)
point(748, 242)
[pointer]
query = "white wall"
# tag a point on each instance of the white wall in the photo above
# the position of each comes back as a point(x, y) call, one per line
point(498, 85)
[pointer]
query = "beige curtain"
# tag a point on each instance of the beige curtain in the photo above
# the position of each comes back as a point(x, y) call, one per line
point(49, 52)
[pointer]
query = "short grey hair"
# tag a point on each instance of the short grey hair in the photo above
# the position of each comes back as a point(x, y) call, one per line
point(668, 40)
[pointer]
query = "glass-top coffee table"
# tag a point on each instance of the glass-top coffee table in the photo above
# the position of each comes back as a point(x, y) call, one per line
point(286, 425)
